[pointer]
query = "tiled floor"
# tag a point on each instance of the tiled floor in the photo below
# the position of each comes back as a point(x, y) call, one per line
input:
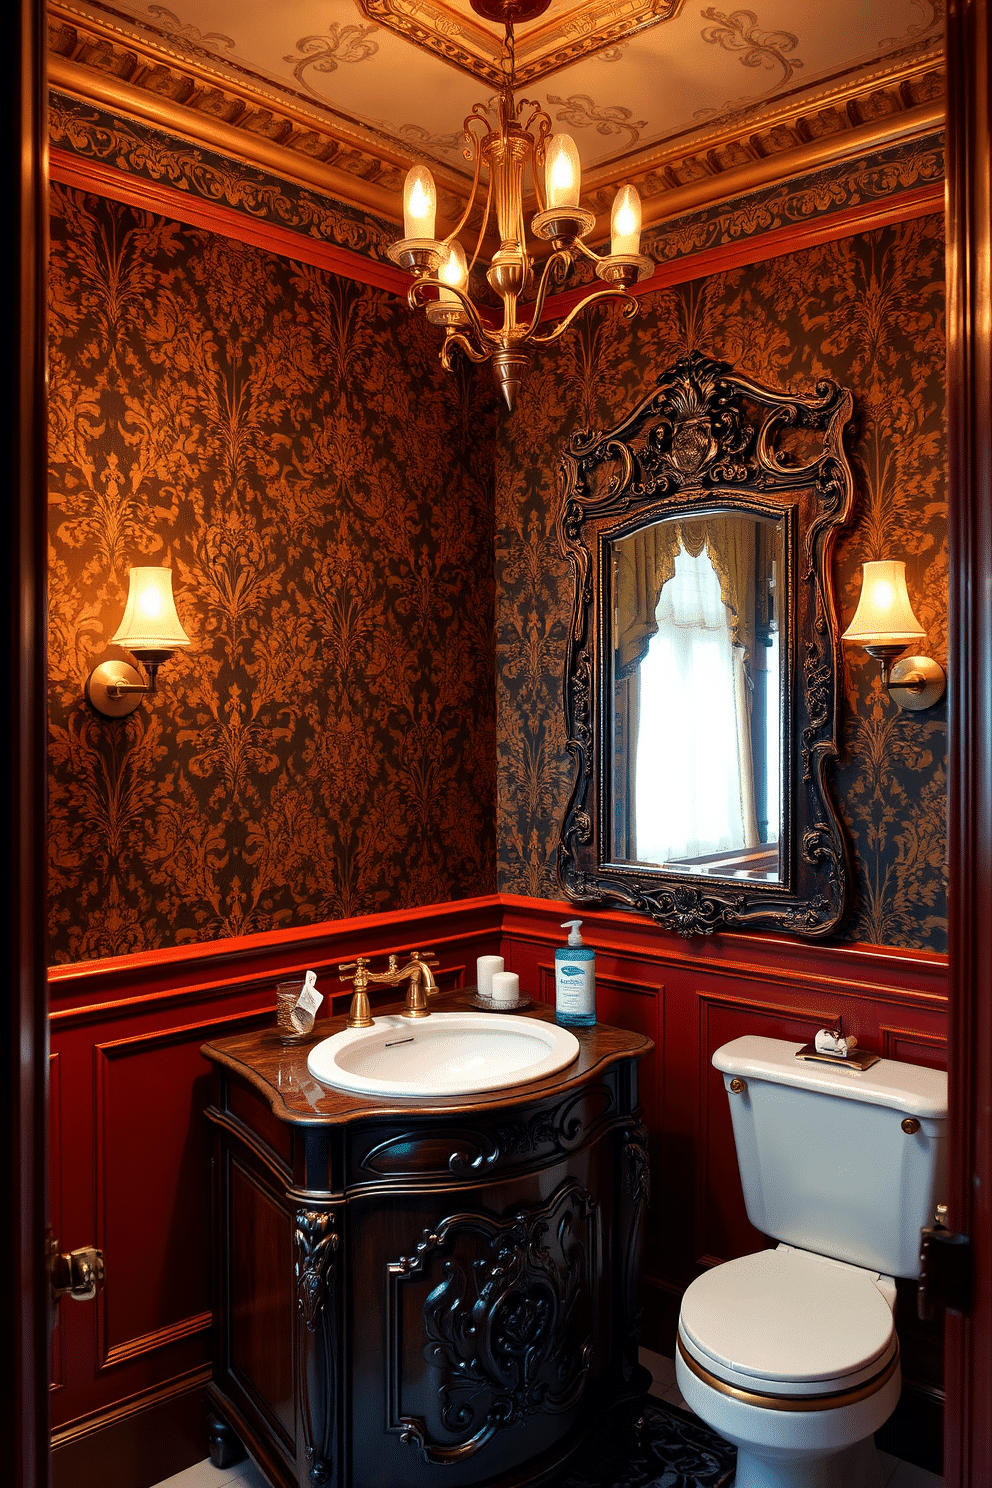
point(897, 1474)
point(203, 1475)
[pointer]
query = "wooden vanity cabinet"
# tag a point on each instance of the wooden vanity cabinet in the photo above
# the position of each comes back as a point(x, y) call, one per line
point(422, 1292)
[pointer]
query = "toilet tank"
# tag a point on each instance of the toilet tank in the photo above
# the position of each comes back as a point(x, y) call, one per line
point(824, 1160)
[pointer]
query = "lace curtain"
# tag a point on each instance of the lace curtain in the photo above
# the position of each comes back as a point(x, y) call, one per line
point(646, 563)
point(692, 761)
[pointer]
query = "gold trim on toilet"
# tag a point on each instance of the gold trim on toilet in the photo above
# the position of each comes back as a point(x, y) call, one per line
point(793, 1402)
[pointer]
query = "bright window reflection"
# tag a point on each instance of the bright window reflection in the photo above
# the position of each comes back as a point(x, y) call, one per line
point(694, 789)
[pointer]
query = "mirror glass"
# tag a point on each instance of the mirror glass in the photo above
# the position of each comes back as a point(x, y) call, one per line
point(697, 683)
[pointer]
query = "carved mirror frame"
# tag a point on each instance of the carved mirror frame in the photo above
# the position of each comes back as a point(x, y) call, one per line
point(707, 438)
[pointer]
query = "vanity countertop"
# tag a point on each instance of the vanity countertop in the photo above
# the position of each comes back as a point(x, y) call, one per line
point(280, 1075)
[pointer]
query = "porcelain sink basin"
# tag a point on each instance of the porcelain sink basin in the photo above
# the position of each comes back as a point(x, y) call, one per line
point(444, 1054)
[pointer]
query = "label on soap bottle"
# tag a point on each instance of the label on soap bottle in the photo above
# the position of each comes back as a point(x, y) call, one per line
point(575, 985)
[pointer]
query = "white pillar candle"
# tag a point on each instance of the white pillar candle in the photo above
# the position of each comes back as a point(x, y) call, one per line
point(485, 967)
point(506, 987)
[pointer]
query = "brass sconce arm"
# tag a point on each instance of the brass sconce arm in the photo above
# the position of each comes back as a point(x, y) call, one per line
point(915, 682)
point(115, 689)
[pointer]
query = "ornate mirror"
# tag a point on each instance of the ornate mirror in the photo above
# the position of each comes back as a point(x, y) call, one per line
point(702, 670)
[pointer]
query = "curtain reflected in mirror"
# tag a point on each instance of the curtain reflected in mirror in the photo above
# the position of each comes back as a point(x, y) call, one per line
point(698, 666)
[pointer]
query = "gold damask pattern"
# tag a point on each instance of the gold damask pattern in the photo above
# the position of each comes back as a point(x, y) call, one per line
point(867, 312)
point(289, 444)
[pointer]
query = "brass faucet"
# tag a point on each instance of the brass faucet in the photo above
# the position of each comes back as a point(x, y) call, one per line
point(417, 971)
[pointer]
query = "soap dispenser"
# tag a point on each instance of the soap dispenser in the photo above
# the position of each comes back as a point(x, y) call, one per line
point(575, 980)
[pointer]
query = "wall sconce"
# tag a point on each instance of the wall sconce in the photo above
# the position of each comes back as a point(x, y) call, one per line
point(151, 631)
point(885, 625)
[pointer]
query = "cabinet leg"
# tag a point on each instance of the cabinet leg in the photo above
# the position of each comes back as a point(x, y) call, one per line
point(224, 1446)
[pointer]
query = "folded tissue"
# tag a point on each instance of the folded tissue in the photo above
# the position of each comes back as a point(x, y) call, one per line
point(303, 1014)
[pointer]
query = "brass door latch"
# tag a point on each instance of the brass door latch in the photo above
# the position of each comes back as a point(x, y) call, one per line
point(78, 1275)
point(945, 1269)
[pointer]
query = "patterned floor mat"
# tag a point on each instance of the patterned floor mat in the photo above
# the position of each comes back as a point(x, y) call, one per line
point(654, 1446)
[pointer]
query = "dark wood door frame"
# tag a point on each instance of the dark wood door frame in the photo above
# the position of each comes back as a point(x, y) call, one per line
point(23, 1186)
point(968, 1457)
point(968, 1418)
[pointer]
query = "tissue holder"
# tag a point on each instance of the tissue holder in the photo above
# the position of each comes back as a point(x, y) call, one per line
point(826, 1049)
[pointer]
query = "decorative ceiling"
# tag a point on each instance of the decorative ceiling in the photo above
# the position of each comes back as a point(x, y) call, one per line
point(658, 92)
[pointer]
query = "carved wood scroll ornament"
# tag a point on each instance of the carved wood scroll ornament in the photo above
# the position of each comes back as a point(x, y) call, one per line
point(708, 439)
point(316, 1243)
point(509, 1327)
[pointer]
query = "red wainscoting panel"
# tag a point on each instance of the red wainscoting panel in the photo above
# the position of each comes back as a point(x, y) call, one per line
point(130, 1152)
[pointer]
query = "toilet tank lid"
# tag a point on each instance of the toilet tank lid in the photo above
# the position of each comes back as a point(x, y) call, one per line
point(905, 1087)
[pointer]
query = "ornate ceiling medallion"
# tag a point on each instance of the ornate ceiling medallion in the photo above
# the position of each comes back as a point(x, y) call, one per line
point(572, 32)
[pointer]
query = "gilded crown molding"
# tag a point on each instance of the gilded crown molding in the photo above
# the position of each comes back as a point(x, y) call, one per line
point(803, 159)
point(97, 61)
point(563, 38)
point(795, 136)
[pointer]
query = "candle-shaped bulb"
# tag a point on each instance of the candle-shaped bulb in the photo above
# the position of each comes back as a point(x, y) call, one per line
point(625, 222)
point(419, 203)
point(562, 172)
point(454, 271)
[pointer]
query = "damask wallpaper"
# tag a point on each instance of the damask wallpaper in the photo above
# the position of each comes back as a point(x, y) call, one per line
point(866, 311)
point(288, 442)
point(322, 489)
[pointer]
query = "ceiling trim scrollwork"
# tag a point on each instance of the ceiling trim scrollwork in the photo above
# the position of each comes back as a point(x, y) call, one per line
point(704, 437)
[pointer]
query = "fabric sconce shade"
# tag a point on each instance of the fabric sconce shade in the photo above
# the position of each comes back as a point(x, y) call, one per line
point(884, 614)
point(150, 622)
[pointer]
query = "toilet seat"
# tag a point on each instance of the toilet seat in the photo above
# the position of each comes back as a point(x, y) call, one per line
point(789, 1324)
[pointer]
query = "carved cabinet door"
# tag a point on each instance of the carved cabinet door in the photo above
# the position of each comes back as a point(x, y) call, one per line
point(479, 1317)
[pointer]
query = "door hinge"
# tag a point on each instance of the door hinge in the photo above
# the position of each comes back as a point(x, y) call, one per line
point(945, 1269)
point(78, 1275)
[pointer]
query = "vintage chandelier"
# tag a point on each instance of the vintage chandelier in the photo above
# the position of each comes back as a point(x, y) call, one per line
point(498, 137)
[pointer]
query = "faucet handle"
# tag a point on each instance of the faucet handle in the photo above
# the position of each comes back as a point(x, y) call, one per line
point(357, 966)
point(427, 958)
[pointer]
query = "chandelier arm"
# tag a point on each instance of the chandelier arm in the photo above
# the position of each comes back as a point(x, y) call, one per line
point(471, 196)
point(482, 230)
point(599, 294)
point(459, 339)
point(559, 259)
point(538, 151)
point(587, 252)
point(415, 302)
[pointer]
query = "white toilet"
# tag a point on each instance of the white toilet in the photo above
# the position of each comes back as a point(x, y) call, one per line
point(791, 1354)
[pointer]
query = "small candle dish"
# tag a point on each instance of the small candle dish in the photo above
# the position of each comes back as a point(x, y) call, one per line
point(490, 1005)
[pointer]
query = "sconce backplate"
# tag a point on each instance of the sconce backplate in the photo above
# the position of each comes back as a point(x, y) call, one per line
point(917, 669)
point(112, 674)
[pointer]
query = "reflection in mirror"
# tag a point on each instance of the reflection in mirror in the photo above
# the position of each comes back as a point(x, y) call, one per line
point(697, 659)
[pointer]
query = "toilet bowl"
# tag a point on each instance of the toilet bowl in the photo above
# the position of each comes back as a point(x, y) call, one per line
point(791, 1353)
point(794, 1359)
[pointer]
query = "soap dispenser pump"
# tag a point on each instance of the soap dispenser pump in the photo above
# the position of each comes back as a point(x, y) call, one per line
point(575, 980)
